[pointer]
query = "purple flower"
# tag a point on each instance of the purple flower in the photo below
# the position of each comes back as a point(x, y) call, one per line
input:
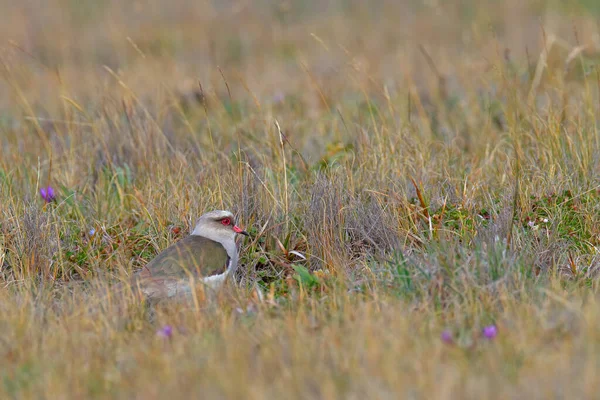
point(446, 337)
point(165, 332)
point(47, 194)
point(490, 332)
point(278, 97)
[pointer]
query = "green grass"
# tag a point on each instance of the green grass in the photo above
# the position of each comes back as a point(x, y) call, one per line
point(405, 169)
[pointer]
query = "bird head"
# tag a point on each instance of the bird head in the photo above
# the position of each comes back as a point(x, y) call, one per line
point(217, 225)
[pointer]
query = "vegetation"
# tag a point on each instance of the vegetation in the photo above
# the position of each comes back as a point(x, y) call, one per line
point(421, 181)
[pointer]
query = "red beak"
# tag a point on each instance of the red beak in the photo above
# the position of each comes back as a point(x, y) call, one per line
point(239, 230)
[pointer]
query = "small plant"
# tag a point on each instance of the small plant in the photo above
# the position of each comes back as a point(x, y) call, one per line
point(305, 278)
point(47, 194)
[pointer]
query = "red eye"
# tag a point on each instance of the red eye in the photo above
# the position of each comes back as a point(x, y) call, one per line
point(226, 221)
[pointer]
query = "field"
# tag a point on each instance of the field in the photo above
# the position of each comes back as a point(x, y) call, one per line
point(421, 181)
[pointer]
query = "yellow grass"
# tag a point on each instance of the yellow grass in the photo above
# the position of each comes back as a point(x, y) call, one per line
point(339, 347)
point(407, 170)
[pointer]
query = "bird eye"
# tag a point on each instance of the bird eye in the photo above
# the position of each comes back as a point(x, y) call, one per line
point(226, 221)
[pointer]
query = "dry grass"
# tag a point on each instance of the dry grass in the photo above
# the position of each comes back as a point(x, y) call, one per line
point(405, 168)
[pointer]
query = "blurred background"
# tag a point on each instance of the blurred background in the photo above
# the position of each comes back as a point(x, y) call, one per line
point(304, 52)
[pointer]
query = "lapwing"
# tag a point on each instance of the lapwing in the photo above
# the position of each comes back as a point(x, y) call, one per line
point(209, 255)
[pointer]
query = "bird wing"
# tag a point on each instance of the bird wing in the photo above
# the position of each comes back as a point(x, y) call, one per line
point(169, 273)
point(195, 255)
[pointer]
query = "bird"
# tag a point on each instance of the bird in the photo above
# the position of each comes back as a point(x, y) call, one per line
point(208, 255)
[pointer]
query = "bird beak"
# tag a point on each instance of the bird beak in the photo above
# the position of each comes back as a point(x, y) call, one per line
point(239, 230)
